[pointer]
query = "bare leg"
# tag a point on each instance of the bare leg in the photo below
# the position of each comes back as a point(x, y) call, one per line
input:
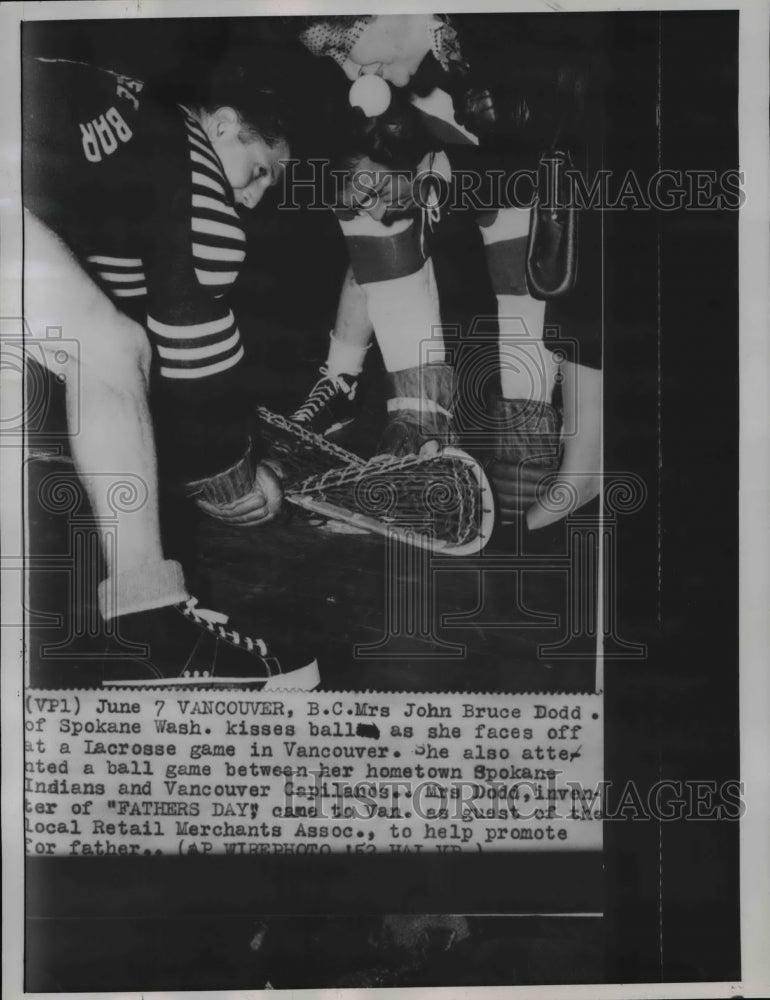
point(161, 638)
point(352, 324)
point(399, 291)
point(106, 392)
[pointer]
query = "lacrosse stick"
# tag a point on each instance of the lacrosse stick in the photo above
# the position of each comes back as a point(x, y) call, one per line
point(299, 452)
point(440, 502)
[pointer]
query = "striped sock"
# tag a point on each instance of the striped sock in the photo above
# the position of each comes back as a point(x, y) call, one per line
point(527, 368)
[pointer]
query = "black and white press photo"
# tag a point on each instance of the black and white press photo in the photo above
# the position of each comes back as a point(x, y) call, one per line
point(376, 407)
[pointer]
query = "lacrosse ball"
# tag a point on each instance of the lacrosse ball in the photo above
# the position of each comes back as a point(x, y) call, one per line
point(371, 94)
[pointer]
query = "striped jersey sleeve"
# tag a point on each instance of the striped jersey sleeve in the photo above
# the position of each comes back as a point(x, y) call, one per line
point(131, 183)
point(123, 276)
point(218, 240)
point(195, 256)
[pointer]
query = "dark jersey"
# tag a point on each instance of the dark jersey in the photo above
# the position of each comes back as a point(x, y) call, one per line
point(138, 193)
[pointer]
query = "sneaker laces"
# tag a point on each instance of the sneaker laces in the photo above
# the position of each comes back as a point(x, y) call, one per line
point(323, 391)
point(207, 614)
point(215, 622)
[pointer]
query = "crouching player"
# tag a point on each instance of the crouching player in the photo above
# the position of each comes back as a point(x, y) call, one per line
point(389, 290)
point(132, 242)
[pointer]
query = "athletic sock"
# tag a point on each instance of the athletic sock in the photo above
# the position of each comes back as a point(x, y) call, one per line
point(406, 320)
point(391, 266)
point(142, 588)
point(345, 359)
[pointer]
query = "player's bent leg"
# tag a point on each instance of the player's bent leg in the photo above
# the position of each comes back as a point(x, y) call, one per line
point(525, 425)
point(106, 388)
point(144, 596)
point(392, 268)
point(527, 368)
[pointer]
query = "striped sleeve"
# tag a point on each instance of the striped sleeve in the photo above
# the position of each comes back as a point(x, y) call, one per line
point(123, 276)
point(198, 247)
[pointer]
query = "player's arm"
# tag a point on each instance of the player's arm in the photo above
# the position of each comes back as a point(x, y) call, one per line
point(203, 416)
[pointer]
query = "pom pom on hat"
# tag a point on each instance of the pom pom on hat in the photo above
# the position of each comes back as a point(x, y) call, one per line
point(371, 94)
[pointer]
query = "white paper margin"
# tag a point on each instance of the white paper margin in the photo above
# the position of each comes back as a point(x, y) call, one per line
point(754, 501)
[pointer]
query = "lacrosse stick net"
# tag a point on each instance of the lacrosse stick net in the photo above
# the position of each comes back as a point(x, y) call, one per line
point(442, 502)
point(301, 453)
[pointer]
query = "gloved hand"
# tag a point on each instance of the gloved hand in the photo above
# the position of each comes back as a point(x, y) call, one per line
point(258, 506)
point(419, 411)
point(515, 485)
point(409, 433)
point(526, 453)
point(530, 112)
point(485, 111)
point(246, 493)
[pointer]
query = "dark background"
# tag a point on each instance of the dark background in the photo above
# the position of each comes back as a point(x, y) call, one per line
point(669, 891)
